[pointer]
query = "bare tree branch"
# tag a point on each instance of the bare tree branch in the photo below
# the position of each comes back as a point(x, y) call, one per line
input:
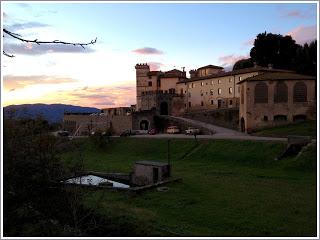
point(18, 36)
point(7, 54)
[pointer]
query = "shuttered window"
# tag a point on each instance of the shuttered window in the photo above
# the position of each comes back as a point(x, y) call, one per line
point(280, 92)
point(300, 92)
point(261, 93)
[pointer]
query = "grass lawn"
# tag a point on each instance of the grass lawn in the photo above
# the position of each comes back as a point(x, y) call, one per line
point(307, 128)
point(229, 188)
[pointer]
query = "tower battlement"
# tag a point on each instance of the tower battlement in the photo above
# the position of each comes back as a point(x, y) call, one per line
point(142, 66)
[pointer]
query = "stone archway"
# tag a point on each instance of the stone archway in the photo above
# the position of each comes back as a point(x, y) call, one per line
point(164, 108)
point(242, 125)
point(144, 125)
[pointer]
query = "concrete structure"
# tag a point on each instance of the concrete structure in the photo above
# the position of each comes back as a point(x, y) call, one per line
point(148, 172)
point(276, 98)
point(83, 124)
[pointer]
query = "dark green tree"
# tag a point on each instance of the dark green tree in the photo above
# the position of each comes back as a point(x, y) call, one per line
point(243, 63)
point(274, 49)
point(306, 59)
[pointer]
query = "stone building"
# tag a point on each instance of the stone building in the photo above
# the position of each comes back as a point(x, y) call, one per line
point(157, 90)
point(79, 124)
point(149, 172)
point(275, 98)
point(205, 90)
point(211, 90)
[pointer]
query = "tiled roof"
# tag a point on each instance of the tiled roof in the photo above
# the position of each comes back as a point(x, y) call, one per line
point(235, 72)
point(211, 66)
point(278, 76)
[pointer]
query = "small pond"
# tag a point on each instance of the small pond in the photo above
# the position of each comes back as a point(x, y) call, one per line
point(95, 181)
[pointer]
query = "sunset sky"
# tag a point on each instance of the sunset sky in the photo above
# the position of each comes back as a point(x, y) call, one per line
point(165, 35)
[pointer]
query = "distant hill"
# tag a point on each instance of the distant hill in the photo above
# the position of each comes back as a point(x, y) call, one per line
point(51, 112)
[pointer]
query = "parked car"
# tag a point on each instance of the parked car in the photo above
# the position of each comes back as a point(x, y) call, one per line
point(139, 132)
point(62, 133)
point(126, 133)
point(173, 130)
point(192, 131)
point(152, 131)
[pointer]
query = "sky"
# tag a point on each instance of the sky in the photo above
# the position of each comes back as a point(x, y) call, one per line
point(164, 35)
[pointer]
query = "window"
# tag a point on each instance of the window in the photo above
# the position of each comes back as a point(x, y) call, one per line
point(212, 82)
point(202, 84)
point(193, 85)
point(230, 90)
point(280, 118)
point(190, 85)
point(201, 94)
point(211, 102)
point(185, 105)
point(206, 83)
point(280, 92)
point(219, 91)
point(240, 78)
point(189, 104)
point(299, 118)
point(201, 103)
point(261, 93)
point(150, 84)
point(230, 102)
point(189, 94)
point(300, 92)
point(265, 118)
point(211, 92)
point(219, 81)
point(242, 93)
point(230, 79)
point(219, 103)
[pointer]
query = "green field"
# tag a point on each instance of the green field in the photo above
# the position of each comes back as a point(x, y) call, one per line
point(307, 128)
point(228, 188)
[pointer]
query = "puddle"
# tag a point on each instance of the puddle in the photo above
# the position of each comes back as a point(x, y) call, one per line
point(95, 181)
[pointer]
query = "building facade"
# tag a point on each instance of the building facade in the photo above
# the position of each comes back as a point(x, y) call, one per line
point(272, 99)
point(263, 96)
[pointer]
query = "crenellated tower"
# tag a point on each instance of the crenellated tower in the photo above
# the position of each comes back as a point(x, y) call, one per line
point(142, 71)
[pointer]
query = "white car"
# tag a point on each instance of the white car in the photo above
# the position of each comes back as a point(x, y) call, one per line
point(192, 131)
point(173, 130)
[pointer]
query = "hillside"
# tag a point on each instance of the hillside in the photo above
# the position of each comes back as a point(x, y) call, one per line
point(51, 112)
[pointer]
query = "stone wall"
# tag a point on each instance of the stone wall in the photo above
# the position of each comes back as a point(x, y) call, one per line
point(228, 118)
point(84, 124)
point(148, 116)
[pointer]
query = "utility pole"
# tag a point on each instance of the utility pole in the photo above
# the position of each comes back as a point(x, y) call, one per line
point(168, 156)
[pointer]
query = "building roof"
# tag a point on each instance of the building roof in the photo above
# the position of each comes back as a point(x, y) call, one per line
point(275, 76)
point(151, 163)
point(154, 73)
point(211, 66)
point(174, 73)
point(235, 72)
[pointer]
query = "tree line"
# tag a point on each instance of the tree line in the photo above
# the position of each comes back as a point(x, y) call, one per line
point(283, 53)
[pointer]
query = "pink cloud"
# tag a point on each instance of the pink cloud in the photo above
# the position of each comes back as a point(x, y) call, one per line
point(249, 42)
point(155, 66)
point(231, 59)
point(302, 14)
point(148, 51)
point(103, 97)
point(303, 34)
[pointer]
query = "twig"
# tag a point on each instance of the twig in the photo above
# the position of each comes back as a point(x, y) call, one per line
point(18, 36)
point(7, 54)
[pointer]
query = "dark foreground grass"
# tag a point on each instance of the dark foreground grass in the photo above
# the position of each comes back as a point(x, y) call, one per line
point(307, 128)
point(229, 188)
